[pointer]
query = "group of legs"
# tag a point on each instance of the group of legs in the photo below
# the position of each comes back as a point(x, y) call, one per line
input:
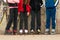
point(35, 15)
point(23, 20)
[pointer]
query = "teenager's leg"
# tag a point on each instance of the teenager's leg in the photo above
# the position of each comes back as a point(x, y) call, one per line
point(15, 18)
point(21, 20)
point(10, 19)
point(48, 15)
point(48, 18)
point(38, 20)
point(32, 20)
point(53, 18)
point(26, 20)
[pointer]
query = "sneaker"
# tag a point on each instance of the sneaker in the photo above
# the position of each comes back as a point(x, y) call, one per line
point(47, 31)
point(21, 31)
point(32, 31)
point(8, 32)
point(25, 31)
point(14, 32)
point(53, 32)
point(38, 31)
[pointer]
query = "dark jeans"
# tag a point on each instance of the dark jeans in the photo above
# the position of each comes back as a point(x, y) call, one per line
point(12, 18)
point(50, 14)
point(23, 19)
point(35, 15)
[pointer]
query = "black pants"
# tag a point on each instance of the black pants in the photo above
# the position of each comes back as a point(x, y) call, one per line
point(12, 18)
point(23, 19)
point(35, 15)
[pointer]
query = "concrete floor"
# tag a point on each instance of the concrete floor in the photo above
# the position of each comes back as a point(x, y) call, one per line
point(30, 37)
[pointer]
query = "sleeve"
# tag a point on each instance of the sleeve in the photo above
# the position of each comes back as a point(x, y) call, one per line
point(28, 8)
point(18, 7)
point(56, 3)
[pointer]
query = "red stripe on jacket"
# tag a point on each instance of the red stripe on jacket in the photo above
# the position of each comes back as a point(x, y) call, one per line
point(20, 6)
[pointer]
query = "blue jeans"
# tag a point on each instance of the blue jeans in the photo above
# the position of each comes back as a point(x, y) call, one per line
point(50, 14)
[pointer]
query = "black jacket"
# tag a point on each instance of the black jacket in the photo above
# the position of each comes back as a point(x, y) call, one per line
point(35, 4)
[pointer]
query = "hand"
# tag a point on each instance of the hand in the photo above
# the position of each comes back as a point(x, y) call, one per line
point(28, 13)
point(18, 13)
point(41, 5)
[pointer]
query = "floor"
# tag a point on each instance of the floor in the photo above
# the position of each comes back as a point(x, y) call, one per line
point(30, 37)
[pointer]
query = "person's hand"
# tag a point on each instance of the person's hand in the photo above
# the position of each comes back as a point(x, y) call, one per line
point(28, 13)
point(41, 5)
point(18, 13)
point(5, 1)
